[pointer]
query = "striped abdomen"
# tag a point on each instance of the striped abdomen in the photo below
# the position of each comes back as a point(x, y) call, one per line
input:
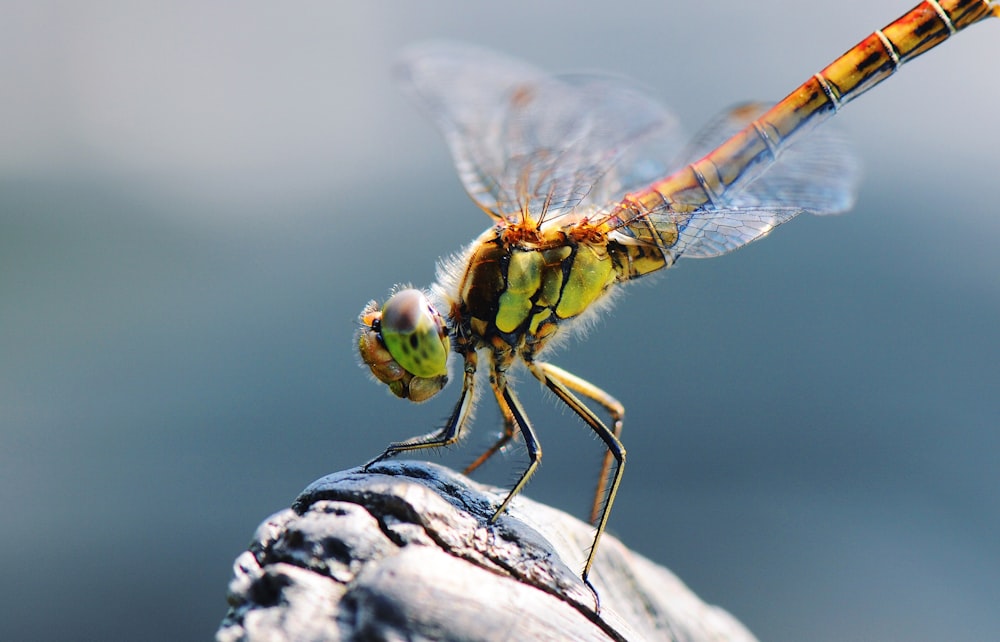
point(743, 157)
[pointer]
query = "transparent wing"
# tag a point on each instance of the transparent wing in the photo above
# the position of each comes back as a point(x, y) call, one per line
point(818, 173)
point(638, 165)
point(702, 233)
point(713, 233)
point(529, 144)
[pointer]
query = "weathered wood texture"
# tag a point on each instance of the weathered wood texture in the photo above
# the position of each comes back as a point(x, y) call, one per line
point(404, 552)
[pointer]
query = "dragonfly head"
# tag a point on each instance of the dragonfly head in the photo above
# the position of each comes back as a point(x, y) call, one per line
point(405, 344)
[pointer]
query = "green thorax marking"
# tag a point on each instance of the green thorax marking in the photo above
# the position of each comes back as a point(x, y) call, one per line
point(519, 291)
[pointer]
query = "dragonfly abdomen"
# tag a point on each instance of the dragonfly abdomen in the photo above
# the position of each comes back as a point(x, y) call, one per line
point(742, 158)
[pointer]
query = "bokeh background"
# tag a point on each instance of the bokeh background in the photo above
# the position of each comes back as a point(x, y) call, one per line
point(196, 199)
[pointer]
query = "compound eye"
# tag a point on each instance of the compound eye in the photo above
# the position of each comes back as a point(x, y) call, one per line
point(415, 334)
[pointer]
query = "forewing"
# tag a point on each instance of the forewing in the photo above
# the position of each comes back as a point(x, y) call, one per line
point(466, 91)
point(586, 139)
point(526, 143)
point(638, 164)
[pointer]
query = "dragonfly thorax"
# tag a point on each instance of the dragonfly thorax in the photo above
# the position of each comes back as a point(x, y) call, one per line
point(519, 283)
point(510, 293)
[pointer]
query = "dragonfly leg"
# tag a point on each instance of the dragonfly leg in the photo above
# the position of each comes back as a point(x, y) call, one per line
point(614, 408)
point(452, 430)
point(510, 405)
point(562, 384)
point(509, 430)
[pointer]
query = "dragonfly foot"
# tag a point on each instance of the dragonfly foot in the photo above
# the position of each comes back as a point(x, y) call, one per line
point(593, 591)
point(385, 455)
point(496, 515)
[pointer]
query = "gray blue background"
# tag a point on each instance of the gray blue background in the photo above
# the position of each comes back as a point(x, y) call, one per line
point(197, 199)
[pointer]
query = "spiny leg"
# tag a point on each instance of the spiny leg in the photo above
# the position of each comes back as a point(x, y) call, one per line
point(509, 404)
point(609, 438)
point(451, 431)
point(509, 430)
point(609, 403)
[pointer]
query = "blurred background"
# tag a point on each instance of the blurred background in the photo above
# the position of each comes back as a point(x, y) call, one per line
point(197, 199)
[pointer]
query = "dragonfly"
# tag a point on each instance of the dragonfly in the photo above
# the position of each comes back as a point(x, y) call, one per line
point(588, 188)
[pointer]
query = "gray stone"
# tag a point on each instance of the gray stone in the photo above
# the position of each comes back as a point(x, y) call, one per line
point(405, 552)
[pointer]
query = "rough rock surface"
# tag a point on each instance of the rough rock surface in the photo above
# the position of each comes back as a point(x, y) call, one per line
point(404, 552)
